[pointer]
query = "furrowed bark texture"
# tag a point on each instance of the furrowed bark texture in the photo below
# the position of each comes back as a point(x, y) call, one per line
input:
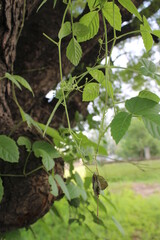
point(26, 52)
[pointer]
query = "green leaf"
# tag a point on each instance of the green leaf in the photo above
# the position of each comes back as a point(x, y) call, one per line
point(74, 52)
point(8, 149)
point(24, 141)
point(112, 15)
point(148, 68)
point(85, 142)
point(48, 148)
point(96, 219)
point(75, 202)
point(51, 132)
point(146, 35)
point(156, 33)
point(109, 89)
point(78, 179)
point(73, 190)
point(83, 193)
point(152, 123)
point(96, 74)
point(90, 92)
point(91, 20)
point(118, 225)
point(120, 125)
point(54, 189)
point(146, 24)
point(47, 152)
point(1, 190)
point(80, 30)
point(47, 161)
point(61, 183)
point(23, 82)
point(149, 95)
point(13, 80)
point(65, 30)
point(130, 7)
point(142, 106)
point(30, 121)
point(92, 4)
point(147, 38)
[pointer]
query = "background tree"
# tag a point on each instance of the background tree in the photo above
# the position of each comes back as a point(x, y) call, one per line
point(136, 141)
point(26, 52)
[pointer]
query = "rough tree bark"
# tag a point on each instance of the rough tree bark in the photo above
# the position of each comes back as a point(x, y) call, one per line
point(25, 51)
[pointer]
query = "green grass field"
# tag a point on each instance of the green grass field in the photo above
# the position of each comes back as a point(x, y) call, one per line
point(123, 213)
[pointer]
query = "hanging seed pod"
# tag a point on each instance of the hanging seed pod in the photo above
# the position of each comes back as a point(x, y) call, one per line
point(98, 183)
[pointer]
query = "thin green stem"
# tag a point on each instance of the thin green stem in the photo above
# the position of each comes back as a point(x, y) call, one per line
point(34, 170)
point(21, 175)
point(125, 34)
point(106, 94)
point(11, 175)
point(25, 165)
point(50, 39)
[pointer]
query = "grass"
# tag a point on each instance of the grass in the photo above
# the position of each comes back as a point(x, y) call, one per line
point(145, 171)
point(120, 209)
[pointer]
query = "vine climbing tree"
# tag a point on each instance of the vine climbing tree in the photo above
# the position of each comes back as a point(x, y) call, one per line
point(43, 47)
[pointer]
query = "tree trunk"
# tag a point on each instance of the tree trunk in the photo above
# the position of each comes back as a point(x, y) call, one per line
point(26, 52)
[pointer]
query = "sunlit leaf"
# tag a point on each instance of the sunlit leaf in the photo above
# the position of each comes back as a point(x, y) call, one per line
point(91, 20)
point(92, 4)
point(147, 38)
point(74, 52)
point(65, 30)
point(98, 75)
point(80, 30)
point(120, 125)
point(146, 34)
point(130, 7)
point(156, 33)
point(112, 15)
point(90, 92)
point(8, 149)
